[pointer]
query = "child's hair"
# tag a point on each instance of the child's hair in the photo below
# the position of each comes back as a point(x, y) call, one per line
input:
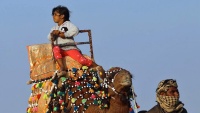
point(62, 10)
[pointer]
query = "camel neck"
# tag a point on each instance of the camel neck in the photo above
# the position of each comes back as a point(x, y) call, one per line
point(117, 106)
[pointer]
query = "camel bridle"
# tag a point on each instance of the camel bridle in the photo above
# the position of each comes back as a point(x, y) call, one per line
point(110, 84)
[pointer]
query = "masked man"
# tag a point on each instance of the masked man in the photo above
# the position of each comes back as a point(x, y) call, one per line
point(167, 97)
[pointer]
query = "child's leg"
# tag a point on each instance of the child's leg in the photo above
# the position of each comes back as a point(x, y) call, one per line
point(58, 56)
point(57, 52)
point(76, 55)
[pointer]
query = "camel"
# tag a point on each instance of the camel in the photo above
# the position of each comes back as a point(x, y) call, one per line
point(89, 94)
point(82, 89)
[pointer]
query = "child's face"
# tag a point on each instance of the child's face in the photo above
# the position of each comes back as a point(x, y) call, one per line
point(57, 17)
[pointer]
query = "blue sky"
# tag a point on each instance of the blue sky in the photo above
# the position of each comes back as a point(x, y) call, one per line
point(153, 39)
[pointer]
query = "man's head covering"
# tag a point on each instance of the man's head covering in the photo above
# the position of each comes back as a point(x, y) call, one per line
point(165, 84)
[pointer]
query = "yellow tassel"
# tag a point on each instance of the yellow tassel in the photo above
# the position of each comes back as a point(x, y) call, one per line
point(45, 97)
point(32, 88)
point(37, 85)
point(43, 85)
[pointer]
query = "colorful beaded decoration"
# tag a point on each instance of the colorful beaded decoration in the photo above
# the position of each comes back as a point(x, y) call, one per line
point(80, 92)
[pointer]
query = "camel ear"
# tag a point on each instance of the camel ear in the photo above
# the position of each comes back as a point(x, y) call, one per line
point(110, 77)
point(113, 71)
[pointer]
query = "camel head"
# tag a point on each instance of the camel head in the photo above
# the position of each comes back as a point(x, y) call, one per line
point(119, 82)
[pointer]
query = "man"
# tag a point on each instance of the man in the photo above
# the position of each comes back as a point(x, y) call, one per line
point(167, 97)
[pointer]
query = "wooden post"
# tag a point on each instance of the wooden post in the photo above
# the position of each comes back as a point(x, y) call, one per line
point(90, 41)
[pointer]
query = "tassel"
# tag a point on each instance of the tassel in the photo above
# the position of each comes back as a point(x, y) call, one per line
point(77, 83)
point(55, 81)
point(84, 75)
point(131, 110)
point(45, 97)
point(61, 102)
point(91, 90)
point(84, 101)
point(37, 85)
point(35, 109)
point(33, 98)
point(33, 87)
point(94, 79)
point(61, 107)
point(93, 96)
point(54, 95)
point(137, 105)
point(51, 95)
point(55, 109)
point(73, 100)
point(40, 85)
point(63, 79)
point(28, 110)
point(30, 99)
point(79, 88)
point(89, 85)
point(60, 93)
point(95, 102)
point(38, 96)
point(43, 85)
point(74, 70)
point(84, 68)
point(70, 93)
point(75, 108)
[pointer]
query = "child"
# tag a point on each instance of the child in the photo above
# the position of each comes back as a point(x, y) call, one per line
point(64, 32)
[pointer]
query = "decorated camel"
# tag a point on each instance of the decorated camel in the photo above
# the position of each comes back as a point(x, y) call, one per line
point(82, 89)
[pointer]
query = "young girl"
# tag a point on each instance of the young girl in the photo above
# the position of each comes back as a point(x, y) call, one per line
point(64, 32)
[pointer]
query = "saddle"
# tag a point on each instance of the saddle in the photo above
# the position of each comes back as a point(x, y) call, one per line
point(43, 65)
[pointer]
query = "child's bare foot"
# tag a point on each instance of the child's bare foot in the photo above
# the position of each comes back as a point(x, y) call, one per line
point(29, 82)
point(61, 73)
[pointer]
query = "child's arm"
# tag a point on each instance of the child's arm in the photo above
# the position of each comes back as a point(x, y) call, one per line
point(61, 34)
point(58, 33)
point(52, 35)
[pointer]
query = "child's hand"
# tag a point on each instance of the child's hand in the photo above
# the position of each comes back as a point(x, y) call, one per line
point(55, 32)
point(53, 37)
